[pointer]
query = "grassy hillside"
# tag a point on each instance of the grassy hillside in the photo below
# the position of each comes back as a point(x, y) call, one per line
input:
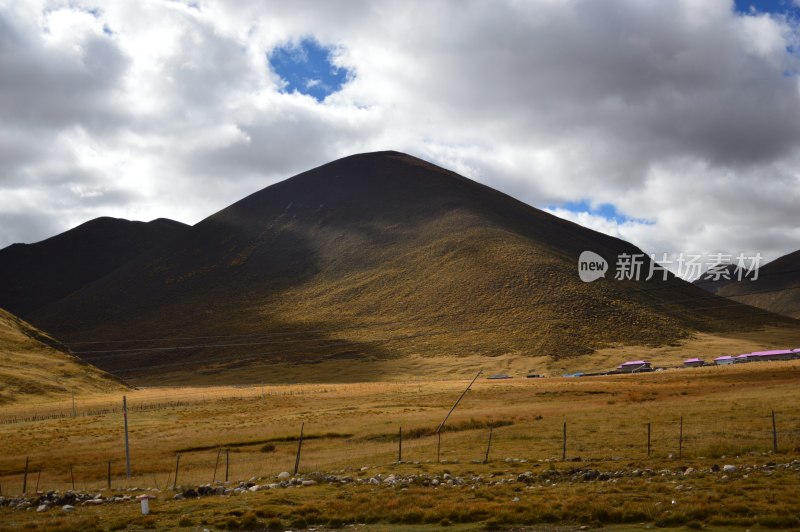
point(374, 257)
point(30, 369)
point(777, 288)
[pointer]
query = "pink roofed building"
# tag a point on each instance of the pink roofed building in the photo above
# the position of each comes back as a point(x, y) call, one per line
point(634, 366)
point(775, 354)
point(693, 362)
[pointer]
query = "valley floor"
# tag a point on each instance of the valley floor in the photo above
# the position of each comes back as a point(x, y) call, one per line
point(699, 421)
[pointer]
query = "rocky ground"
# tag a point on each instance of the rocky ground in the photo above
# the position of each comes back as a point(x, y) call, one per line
point(68, 501)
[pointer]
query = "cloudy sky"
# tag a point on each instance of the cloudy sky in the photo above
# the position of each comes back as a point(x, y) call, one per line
point(672, 124)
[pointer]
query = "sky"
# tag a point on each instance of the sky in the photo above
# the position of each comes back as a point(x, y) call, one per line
point(673, 125)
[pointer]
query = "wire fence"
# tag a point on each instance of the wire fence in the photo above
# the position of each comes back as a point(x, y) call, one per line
point(571, 439)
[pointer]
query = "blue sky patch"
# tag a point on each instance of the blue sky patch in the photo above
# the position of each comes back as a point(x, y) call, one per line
point(306, 67)
point(606, 210)
point(776, 7)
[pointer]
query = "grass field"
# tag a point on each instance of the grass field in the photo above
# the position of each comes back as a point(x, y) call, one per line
point(726, 415)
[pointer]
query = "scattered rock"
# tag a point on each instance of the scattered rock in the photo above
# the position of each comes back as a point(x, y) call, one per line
point(284, 476)
point(729, 468)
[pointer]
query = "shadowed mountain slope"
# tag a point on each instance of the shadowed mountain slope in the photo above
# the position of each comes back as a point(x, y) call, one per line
point(374, 256)
point(777, 288)
point(29, 368)
point(33, 275)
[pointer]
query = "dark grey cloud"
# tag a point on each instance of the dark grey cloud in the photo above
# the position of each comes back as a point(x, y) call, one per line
point(26, 227)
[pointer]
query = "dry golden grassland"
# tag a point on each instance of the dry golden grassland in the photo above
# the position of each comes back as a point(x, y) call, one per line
point(726, 420)
point(30, 370)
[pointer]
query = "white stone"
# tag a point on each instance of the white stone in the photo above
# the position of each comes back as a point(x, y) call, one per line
point(68, 508)
point(284, 476)
point(729, 468)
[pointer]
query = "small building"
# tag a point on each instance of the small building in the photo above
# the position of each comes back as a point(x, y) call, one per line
point(634, 366)
point(741, 359)
point(693, 362)
point(724, 360)
point(499, 376)
point(776, 354)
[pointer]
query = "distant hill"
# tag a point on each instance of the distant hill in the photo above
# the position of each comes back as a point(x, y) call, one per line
point(29, 368)
point(33, 275)
point(373, 257)
point(720, 275)
point(777, 288)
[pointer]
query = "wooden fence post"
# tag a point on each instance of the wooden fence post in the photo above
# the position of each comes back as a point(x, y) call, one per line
point(177, 463)
point(648, 440)
point(216, 464)
point(25, 477)
point(564, 446)
point(72, 476)
point(774, 434)
point(488, 445)
point(38, 477)
point(109, 474)
point(438, 447)
point(400, 446)
point(127, 444)
point(680, 440)
point(299, 448)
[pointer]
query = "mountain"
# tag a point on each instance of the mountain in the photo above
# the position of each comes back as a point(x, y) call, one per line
point(373, 257)
point(34, 275)
point(720, 275)
point(777, 288)
point(29, 368)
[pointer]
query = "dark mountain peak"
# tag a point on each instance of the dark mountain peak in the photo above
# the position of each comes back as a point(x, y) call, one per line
point(375, 256)
point(166, 222)
point(33, 275)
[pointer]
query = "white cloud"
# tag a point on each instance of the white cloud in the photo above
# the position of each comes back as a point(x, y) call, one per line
point(683, 113)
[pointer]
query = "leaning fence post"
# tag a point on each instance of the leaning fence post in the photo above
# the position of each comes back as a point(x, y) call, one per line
point(38, 476)
point(648, 440)
point(216, 464)
point(680, 440)
point(227, 462)
point(564, 445)
point(774, 434)
point(299, 447)
point(25, 477)
point(488, 445)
